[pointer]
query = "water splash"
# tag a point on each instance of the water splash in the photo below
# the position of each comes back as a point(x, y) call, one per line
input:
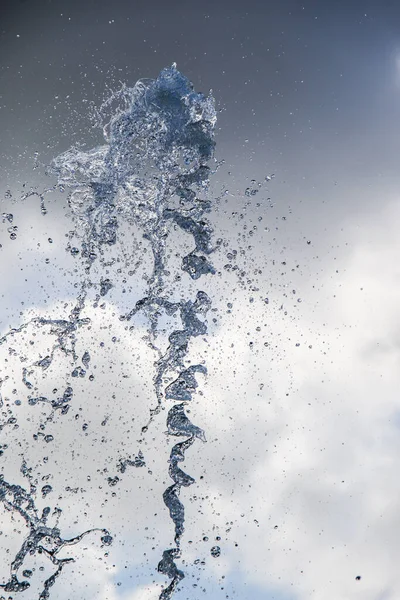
point(151, 172)
point(42, 539)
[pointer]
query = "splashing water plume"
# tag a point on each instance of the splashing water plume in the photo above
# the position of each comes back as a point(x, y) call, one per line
point(152, 172)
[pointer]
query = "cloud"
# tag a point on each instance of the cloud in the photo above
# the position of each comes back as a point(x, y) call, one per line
point(298, 477)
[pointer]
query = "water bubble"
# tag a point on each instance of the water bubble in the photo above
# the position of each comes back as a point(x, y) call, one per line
point(112, 481)
point(46, 489)
point(27, 573)
point(86, 359)
point(215, 551)
point(107, 539)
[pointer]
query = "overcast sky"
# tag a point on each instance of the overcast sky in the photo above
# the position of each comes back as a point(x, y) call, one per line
point(299, 475)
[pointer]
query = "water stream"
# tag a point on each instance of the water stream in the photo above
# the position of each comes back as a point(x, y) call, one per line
point(152, 172)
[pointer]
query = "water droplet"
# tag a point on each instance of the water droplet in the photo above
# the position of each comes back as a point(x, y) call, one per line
point(107, 539)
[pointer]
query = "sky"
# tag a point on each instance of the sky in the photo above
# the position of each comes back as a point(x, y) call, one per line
point(299, 474)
